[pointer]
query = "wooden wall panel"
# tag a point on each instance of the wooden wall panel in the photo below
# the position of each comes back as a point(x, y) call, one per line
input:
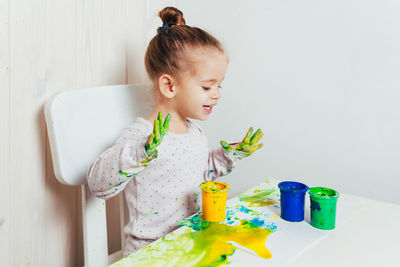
point(47, 47)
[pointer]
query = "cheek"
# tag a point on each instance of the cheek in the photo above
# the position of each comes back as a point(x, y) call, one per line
point(187, 100)
point(194, 94)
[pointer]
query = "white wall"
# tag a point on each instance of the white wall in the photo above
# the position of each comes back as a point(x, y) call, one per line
point(321, 78)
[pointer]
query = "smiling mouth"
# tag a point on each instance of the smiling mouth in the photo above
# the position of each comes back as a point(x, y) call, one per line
point(208, 108)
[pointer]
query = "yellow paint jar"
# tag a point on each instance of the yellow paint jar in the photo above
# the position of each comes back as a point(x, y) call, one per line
point(214, 195)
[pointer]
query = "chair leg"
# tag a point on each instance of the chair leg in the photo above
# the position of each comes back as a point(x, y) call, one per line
point(94, 229)
point(122, 216)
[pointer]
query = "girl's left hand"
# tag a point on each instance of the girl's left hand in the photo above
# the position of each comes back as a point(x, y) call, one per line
point(247, 146)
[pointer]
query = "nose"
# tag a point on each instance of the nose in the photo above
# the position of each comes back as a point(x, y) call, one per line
point(216, 94)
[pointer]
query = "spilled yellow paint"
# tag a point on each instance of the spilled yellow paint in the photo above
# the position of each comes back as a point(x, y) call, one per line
point(207, 247)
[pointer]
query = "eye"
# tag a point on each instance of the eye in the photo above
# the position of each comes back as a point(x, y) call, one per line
point(206, 88)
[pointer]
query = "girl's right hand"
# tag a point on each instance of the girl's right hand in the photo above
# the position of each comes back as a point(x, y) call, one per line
point(159, 130)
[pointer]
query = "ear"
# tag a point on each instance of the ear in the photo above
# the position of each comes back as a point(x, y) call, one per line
point(167, 85)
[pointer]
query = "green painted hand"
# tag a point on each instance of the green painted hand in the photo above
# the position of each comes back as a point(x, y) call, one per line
point(247, 146)
point(159, 130)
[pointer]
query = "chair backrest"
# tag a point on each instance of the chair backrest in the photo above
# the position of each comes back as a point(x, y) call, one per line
point(82, 124)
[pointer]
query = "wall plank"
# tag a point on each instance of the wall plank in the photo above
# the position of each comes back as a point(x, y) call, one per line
point(27, 135)
point(5, 225)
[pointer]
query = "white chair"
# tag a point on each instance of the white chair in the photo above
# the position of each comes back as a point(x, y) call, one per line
point(82, 124)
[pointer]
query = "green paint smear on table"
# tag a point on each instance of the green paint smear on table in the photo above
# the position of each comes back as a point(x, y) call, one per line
point(259, 198)
point(207, 246)
point(196, 222)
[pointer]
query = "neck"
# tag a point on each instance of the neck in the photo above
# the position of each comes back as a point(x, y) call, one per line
point(177, 124)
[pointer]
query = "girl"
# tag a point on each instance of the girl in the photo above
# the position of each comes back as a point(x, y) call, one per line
point(161, 165)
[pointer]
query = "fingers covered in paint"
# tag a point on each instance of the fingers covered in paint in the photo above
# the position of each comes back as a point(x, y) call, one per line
point(225, 145)
point(164, 126)
point(256, 137)
point(246, 139)
point(160, 128)
point(248, 145)
point(252, 148)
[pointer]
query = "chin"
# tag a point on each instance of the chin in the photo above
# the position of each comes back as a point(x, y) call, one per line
point(200, 118)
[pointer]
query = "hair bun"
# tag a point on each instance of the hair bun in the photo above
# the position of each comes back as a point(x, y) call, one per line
point(171, 16)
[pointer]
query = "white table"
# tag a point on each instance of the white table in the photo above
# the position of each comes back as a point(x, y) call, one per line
point(367, 234)
point(370, 238)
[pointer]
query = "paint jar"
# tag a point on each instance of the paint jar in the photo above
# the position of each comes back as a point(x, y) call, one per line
point(292, 200)
point(323, 207)
point(214, 195)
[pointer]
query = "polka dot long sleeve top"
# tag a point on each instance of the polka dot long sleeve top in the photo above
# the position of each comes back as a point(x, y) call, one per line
point(165, 190)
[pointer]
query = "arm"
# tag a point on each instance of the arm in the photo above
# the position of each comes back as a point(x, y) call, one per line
point(113, 169)
point(219, 164)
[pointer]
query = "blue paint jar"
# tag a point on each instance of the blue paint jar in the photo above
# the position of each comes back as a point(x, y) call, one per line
point(292, 200)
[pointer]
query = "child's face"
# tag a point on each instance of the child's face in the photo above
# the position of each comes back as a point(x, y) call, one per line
point(197, 93)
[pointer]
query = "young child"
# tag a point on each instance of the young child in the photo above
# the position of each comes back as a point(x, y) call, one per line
point(161, 165)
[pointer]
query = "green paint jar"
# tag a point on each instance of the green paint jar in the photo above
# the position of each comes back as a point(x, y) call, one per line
point(323, 207)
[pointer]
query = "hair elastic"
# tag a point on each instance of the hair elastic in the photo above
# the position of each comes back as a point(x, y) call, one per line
point(165, 25)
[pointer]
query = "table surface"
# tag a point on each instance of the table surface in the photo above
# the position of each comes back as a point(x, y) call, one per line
point(368, 236)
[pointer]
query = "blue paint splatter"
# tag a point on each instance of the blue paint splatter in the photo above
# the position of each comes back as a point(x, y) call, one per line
point(263, 224)
point(244, 209)
point(272, 226)
point(258, 222)
point(229, 214)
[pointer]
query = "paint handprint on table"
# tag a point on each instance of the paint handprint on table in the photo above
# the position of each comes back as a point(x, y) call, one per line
point(246, 147)
point(160, 129)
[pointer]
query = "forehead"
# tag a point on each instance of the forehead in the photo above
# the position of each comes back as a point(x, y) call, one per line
point(207, 64)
